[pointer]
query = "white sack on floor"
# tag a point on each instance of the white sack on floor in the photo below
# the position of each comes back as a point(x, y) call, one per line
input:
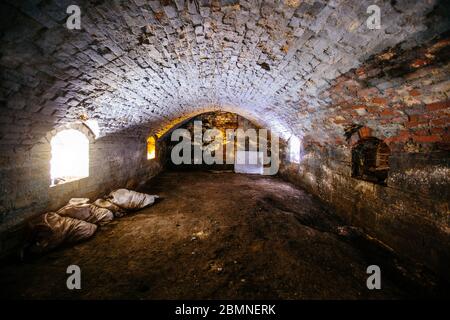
point(77, 201)
point(51, 230)
point(101, 215)
point(116, 210)
point(80, 212)
point(131, 200)
point(87, 212)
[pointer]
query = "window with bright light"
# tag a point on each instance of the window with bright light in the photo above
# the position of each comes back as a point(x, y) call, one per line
point(294, 149)
point(151, 148)
point(70, 156)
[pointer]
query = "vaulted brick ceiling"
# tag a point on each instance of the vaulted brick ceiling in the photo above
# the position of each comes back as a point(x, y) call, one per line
point(138, 65)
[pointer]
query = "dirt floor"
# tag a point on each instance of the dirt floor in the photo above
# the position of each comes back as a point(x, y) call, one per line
point(221, 236)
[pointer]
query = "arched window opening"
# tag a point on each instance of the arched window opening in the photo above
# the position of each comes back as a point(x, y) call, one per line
point(370, 160)
point(294, 149)
point(151, 148)
point(92, 124)
point(70, 156)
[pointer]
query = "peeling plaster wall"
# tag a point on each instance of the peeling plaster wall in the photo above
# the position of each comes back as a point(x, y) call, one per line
point(411, 114)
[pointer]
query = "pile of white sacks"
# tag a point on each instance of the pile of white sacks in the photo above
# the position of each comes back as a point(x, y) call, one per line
point(78, 220)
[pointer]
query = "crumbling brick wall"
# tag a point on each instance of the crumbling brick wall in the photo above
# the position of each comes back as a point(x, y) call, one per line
point(403, 96)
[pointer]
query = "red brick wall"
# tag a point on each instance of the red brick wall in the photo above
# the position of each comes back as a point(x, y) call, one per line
point(403, 96)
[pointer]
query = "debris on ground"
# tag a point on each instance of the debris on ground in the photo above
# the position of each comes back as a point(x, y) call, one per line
point(78, 219)
point(131, 200)
point(51, 230)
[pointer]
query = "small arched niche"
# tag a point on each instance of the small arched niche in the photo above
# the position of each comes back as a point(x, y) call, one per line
point(370, 160)
point(294, 149)
point(151, 148)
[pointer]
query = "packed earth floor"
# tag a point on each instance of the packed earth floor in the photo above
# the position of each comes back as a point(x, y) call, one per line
point(220, 235)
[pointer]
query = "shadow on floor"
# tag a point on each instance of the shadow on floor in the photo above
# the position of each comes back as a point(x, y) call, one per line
point(222, 236)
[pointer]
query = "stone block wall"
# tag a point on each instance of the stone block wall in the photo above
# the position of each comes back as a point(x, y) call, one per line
point(410, 214)
point(403, 96)
point(140, 62)
point(115, 161)
point(138, 65)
